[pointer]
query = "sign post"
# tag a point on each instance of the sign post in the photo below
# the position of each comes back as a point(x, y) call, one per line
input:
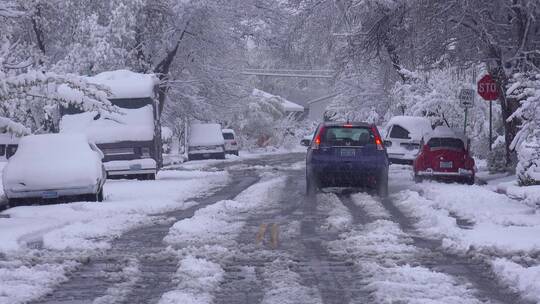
point(487, 88)
point(466, 101)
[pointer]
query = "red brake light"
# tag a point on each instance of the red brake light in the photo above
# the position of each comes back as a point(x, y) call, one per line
point(378, 140)
point(347, 126)
point(317, 141)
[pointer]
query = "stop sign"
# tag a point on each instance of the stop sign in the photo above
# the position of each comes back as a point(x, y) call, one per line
point(487, 88)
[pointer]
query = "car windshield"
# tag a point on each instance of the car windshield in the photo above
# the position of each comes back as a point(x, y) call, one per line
point(347, 136)
point(446, 143)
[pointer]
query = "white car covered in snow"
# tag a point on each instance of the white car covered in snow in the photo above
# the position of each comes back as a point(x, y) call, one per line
point(52, 166)
point(403, 137)
point(231, 145)
point(206, 141)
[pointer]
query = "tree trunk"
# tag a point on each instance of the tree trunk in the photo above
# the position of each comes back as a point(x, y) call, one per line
point(508, 106)
point(163, 67)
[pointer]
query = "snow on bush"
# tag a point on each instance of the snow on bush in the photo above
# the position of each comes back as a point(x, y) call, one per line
point(526, 89)
point(496, 159)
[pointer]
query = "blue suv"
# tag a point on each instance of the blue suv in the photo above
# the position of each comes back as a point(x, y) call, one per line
point(347, 155)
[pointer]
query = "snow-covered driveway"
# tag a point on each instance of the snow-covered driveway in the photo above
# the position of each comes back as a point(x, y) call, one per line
point(243, 231)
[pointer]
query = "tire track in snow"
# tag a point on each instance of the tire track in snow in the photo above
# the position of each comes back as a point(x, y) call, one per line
point(474, 271)
point(96, 280)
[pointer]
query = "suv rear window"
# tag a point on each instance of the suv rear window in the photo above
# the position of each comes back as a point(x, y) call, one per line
point(346, 136)
point(446, 143)
point(228, 136)
point(399, 132)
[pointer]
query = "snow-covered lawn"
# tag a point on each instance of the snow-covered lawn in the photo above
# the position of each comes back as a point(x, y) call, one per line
point(75, 230)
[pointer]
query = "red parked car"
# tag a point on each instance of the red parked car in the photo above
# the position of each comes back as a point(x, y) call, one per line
point(444, 156)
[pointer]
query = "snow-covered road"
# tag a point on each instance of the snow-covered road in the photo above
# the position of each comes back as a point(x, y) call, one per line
point(243, 231)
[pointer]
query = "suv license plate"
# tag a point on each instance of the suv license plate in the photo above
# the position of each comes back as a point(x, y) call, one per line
point(49, 194)
point(446, 165)
point(348, 152)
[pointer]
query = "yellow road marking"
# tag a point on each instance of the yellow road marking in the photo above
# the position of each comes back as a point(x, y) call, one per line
point(275, 235)
point(261, 233)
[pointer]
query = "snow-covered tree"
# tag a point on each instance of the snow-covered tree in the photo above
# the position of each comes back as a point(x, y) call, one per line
point(525, 87)
point(27, 93)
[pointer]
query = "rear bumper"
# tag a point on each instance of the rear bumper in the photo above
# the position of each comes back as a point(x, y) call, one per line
point(460, 173)
point(208, 155)
point(131, 167)
point(52, 193)
point(346, 174)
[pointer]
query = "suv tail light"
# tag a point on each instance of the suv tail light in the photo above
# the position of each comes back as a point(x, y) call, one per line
point(316, 144)
point(378, 140)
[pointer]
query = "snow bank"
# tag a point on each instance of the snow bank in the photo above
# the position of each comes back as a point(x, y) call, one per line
point(205, 135)
point(52, 161)
point(417, 126)
point(523, 279)
point(197, 278)
point(22, 282)
point(408, 284)
point(88, 226)
point(498, 224)
point(128, 125)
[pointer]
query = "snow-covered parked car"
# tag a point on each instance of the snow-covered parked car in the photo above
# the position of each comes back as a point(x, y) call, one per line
point(306, 140)
point(445, 155)
point(403, 136)
point(231, 145)
point(52, 166)
point(206, 141)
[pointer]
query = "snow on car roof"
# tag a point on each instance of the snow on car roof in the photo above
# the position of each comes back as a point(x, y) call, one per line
point(288, 106)
point(417, 126)
point(445, 132)
point(133, 125)
point(122, 83)
point(227, 131)
point(127, 84)
point(205, 135)
point(51, 145)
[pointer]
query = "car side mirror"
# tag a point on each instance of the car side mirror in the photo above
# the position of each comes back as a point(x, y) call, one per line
point(305, 142)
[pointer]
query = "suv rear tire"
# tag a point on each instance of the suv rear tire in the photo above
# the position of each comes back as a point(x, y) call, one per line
point(382, 184)
point(312, 186)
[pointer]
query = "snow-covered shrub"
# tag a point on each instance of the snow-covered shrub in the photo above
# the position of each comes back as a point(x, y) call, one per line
point(526, 88)
point(496, 160)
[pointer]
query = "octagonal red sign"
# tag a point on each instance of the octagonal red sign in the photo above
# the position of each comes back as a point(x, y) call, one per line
point(487, 88)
